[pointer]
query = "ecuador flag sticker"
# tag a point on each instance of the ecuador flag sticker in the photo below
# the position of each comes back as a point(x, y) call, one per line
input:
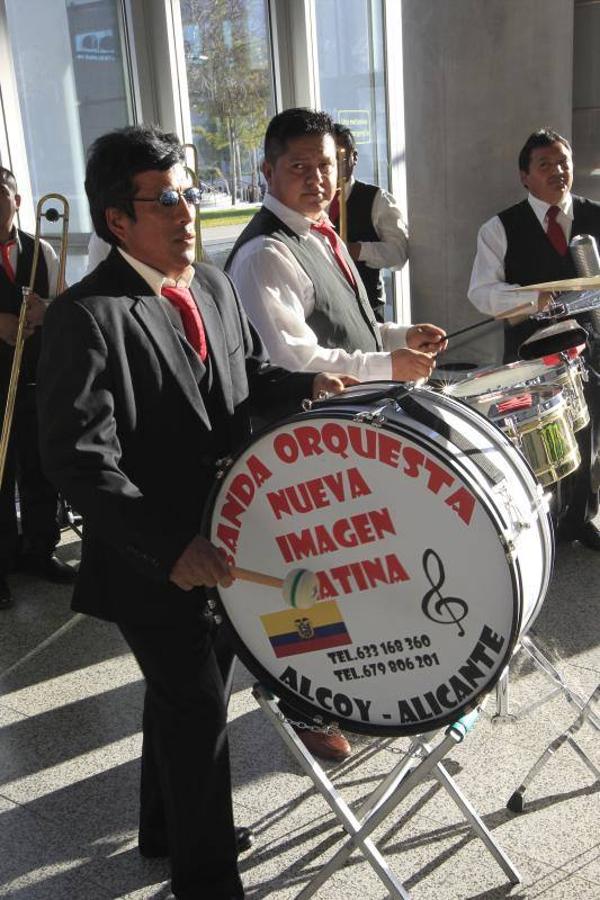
point(293, 631)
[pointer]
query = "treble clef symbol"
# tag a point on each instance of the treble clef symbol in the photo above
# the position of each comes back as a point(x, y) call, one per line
point(443, 608)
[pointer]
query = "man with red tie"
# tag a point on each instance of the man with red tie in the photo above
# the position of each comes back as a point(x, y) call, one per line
point(527, 244)
point(33, 549)
point(297, 281)
point(302, 291)
point(148, 371)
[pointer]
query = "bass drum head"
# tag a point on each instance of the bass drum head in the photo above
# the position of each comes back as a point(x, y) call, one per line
point(421, 603)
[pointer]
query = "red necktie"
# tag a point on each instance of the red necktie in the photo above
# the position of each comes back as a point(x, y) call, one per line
point(334, 209)
point(556, 235)
point(5, 251)
point(182, 299)
point(329, 232)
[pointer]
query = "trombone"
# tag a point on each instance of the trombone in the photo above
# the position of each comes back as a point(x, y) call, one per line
point(51, 215)
point(193, 173)
point(342, 178)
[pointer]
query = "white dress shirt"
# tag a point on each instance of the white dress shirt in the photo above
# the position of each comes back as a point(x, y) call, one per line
point(279, 296)
point(391, 250)
point(155, 279)
point(488, 290)
point(50, 258)
point(98, 250)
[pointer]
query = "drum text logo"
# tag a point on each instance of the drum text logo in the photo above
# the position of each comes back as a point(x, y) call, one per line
point(445, 610)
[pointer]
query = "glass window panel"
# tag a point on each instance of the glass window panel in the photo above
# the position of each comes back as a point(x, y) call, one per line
point(586, 100)
point(350, 48)
point(352, 78)
point(231, 97)
point(71, 71)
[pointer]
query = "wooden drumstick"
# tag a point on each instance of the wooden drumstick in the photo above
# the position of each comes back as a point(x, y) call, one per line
point(508, 314)
point(300, 587)
point(256, 577)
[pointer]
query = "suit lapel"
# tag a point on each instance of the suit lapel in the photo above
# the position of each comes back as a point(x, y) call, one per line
point(117, 278)
point(215, 337)
point(153, 318)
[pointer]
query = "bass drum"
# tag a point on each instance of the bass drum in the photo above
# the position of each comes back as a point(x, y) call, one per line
point(432, 544)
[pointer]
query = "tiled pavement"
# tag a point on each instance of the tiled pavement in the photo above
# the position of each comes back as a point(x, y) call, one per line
point(70, 703)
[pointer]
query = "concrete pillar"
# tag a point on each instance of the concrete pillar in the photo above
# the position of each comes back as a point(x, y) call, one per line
point(479, 76)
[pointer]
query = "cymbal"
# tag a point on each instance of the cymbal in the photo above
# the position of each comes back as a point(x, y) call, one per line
point(567, 284)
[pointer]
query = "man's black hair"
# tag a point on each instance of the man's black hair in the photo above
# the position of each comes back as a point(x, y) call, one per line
point(113, 161)
point(294, 123)
point(8, 178)
point(343, 134)
point(543, 137)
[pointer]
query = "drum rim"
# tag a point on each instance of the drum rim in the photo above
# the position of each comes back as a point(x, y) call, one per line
point(313, 712)
point(562, 369)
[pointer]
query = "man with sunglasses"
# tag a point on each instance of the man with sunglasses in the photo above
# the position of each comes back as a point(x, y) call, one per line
point(149, 368)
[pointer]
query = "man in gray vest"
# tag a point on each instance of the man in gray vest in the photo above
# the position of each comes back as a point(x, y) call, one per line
point(303, 293)
point(297, 280)
point(377, 232)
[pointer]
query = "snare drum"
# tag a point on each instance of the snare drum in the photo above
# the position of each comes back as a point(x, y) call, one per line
point(538, 423)
point(567, 373)
point(432, 544)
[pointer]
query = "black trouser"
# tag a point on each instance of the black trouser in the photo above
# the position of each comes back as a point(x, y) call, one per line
point(37, 496)
point(185, 803)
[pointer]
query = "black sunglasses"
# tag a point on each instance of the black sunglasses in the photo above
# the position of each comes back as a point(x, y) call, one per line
point(171, 197)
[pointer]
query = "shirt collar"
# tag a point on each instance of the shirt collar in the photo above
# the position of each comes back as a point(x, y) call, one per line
point(13, 237)
point(299, 224)
point(540, 207)
point(155, 279)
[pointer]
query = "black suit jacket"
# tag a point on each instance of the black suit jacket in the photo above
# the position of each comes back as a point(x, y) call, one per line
point(125, 433)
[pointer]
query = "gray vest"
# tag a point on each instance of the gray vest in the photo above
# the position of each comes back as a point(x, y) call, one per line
point(342, 318)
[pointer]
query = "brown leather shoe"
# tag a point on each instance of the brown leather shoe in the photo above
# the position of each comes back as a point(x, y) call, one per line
point(325, 746)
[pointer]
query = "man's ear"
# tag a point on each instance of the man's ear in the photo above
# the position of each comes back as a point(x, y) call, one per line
point(267, 170)
point(17, 200)
point(524, 176)
point(115, 220)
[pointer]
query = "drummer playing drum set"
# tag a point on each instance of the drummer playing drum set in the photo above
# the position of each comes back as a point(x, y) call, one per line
point(528, 244)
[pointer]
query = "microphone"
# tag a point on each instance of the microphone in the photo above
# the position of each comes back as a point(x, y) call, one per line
point(584, 253)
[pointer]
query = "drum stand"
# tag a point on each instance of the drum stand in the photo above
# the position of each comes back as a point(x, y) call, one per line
point(586, 713)
point(528, 644)
point(422, 760)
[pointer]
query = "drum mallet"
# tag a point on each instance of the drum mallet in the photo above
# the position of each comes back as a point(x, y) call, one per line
point(300, 587)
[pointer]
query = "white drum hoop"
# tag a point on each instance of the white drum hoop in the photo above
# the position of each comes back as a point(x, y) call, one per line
point(256, 619)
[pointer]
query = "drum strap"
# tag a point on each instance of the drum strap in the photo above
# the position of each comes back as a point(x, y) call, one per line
point(423, 415)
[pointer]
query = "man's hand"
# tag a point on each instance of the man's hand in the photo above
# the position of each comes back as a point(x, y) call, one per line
point(36, 310)
point(201, 565)
point(426, 338)
point(325, 384)
point(410, 365)
point(354, 249)
point(9, 325)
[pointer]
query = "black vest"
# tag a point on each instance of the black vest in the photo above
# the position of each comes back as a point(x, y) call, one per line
point(11, 296)
point(531, 258)
point(360, 228)
point(341, 318)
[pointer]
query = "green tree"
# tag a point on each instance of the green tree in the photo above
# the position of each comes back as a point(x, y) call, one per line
point(228, 78)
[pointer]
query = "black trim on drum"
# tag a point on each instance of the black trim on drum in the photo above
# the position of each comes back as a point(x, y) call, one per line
point(312, 713)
